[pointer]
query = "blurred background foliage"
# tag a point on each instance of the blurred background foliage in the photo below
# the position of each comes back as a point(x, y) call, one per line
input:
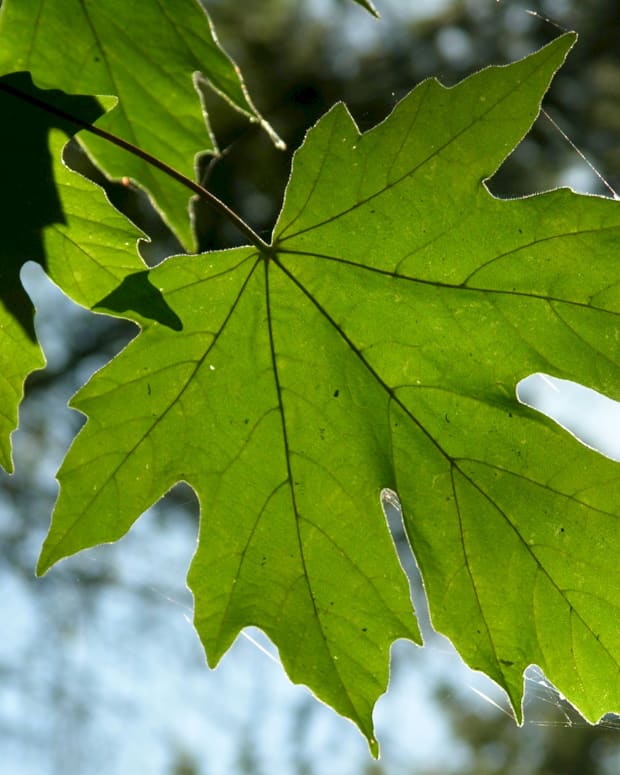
point(100, 669)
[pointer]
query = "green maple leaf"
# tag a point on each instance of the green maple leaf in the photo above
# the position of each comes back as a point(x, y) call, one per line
point(377, 343)
point(150, 55)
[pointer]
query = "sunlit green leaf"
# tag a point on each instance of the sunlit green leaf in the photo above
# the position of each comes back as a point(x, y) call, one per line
point(378, 343)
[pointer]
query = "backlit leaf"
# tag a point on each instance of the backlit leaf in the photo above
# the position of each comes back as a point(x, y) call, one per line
point(149, 55)
point(378, 343)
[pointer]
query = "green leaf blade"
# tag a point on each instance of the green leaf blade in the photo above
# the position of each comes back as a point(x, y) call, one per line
point(378, 343)
point(281, 545)
point(451, 297)
point(20, 357)
point(410, 156)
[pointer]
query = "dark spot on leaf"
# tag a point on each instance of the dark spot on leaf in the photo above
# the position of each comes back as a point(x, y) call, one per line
point(336, 393)
point(137, 294)
point(246, 421)
point(148, 388)
point(364, 629)
point(506, 662)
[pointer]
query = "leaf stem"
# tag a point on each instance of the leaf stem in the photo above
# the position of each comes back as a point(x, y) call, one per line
point(213, 201)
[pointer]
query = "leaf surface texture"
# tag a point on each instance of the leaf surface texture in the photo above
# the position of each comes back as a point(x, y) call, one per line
point(378, 343)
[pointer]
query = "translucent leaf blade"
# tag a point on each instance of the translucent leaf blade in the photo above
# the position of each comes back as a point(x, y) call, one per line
point(292, 536)
point(451, 297)
point(377, 344)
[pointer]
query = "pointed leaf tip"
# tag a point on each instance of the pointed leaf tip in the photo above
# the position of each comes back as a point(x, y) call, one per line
point(369, 7)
